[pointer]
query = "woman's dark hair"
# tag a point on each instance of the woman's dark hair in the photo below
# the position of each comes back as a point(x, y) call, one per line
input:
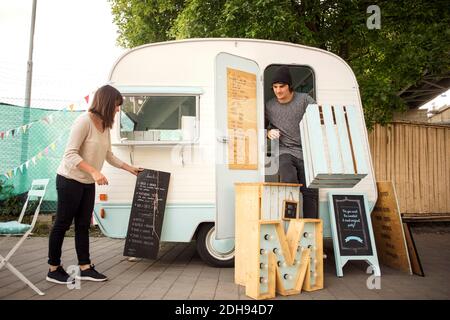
point(104, 104)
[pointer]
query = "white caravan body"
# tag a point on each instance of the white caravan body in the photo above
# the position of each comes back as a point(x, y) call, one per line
point(201, 186)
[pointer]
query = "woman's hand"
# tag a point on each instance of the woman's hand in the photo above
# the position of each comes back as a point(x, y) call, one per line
point(99, 178)
point(133, 170)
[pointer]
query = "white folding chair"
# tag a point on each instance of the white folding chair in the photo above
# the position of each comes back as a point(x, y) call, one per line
point(14, 228)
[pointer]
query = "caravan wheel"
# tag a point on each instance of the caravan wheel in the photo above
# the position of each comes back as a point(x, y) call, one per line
point(216, 253)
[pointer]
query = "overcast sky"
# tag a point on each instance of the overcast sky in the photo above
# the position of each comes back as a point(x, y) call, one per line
point(74, 50)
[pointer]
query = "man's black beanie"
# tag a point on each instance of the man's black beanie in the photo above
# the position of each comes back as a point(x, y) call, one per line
point(282, 75)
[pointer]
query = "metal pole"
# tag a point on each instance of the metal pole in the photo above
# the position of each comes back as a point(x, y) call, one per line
point(26, 110)
point(30, 57)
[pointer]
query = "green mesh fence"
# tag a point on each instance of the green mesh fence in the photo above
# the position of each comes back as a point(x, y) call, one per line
point(32, 142)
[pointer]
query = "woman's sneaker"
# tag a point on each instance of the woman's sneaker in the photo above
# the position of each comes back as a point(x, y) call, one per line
point(91, 275)
point(59, 276)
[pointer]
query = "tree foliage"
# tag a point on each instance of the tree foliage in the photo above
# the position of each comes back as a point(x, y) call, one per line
point(412, 40)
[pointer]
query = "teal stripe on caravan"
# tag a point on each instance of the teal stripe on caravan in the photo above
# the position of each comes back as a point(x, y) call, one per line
point(180, 220)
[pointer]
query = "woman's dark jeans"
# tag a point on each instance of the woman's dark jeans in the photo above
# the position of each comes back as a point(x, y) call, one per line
point(292, 170)
point(75, 202)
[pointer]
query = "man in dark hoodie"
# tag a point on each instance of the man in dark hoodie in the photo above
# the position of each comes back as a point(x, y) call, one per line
point(283, 114)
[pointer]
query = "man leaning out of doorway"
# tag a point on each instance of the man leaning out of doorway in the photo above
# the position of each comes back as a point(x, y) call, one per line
point(283, 114)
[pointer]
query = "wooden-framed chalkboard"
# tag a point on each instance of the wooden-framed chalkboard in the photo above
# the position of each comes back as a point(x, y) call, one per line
point(290, 209)
point(147, 214)
point(351, 228)
point(351, 223)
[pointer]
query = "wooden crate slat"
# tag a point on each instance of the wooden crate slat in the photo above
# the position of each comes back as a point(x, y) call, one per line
point(307, 160)
point(273, 203)
point(265, 201)
point(357, 140)
point(316, 139)
point(282, 195)
point(334, 154)
point(344, 141)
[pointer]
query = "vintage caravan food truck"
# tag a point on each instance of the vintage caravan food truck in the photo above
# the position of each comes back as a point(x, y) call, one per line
point(178, 107)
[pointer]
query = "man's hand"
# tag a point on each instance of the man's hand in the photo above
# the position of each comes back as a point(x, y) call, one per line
point(273, 134)
point(99, 178)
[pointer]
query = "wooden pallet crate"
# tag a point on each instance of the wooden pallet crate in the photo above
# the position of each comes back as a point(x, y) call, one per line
point(333, 147)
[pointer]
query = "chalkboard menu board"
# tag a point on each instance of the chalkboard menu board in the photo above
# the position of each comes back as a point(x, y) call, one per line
point(290, 209)
point(351, 225)
point(147, 214)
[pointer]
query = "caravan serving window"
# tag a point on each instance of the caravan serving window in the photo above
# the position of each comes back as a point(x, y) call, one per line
point(159, 118)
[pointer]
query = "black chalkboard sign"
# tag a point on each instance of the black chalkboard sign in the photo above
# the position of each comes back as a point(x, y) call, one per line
point(290, 210)
point(147, 214)
point(351, 224)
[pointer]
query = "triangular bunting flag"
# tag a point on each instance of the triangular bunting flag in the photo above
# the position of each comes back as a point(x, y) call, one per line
point(27, 164)
point(87, 99)
point(45, 119)
point(21, 167)
point(53, 146)
point(34, 160)
point(10, 174)
point(24, 128)
point(7, 134)
point(50, 118)
point(39, 155)
point(6, 175)
point(71, 107)
point(2, 134)
point(46, 151)
point(15, 171)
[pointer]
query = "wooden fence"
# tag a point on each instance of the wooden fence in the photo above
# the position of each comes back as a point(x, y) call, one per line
point(416, 158)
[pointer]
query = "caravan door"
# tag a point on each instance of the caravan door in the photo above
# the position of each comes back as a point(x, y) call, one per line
point(239, 133)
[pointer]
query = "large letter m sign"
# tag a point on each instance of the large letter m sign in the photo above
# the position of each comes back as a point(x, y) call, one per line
point(273, 261)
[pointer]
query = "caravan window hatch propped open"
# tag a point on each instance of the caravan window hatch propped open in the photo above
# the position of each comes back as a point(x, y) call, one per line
point(159, 115)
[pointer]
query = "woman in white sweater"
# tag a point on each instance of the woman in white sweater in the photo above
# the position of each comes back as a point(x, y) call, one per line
point(89, 145)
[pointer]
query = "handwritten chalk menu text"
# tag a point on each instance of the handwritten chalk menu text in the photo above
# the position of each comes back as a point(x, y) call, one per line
point(351, 224)
point(351, 229)
point(147, 214)
point(242, 126)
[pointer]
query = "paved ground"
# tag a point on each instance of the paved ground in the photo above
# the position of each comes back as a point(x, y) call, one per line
point(180, 274)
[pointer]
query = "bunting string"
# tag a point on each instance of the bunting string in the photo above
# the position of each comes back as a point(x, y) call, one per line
point(9, 174)
point(23, 128)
